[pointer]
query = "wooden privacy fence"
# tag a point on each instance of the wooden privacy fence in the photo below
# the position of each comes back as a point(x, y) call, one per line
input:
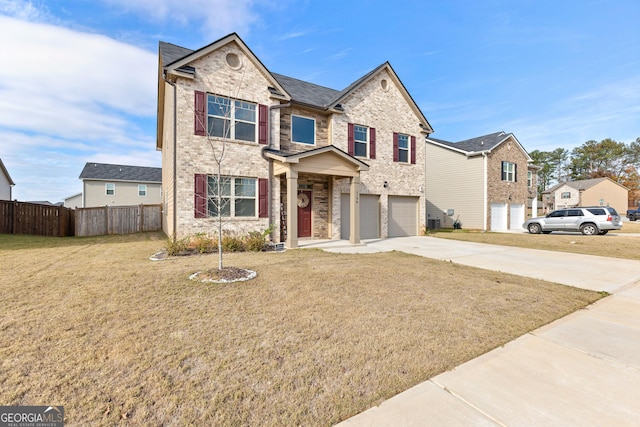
point(118, 220)
point(32, 218)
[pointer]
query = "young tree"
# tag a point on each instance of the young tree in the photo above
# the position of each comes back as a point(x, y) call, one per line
point(213, 116)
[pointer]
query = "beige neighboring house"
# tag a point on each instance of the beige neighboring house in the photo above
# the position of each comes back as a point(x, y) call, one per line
point(587, 192)
point(486, 183)
point(6, 183)
point(310, 161)
point(118, 185)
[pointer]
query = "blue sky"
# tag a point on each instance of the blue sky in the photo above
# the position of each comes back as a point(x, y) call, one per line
point(78, 79)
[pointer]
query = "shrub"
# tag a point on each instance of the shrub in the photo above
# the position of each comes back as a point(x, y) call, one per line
point(231, 243)
point(254, 241)
point(177, 246)
point(203, 243)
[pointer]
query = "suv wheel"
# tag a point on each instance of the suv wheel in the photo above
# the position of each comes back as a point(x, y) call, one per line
point(534, 228)
point(589, 229)
point(603, 232)
point(632, 217)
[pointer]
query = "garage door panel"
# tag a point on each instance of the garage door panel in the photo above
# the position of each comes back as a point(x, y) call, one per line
point(403, 216)
point(517, 217)
point(369, 216)
point(498, 216)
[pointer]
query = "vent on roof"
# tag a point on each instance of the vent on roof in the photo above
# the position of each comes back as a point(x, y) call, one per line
point(481, 142)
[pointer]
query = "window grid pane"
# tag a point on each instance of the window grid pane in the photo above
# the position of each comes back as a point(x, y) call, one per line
point(403, 148)
point(302, 130)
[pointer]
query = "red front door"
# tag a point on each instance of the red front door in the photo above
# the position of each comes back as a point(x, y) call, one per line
point(304, 213)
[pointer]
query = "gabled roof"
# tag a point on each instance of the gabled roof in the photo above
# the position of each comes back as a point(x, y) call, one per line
point(479, 145)
point(6, 173)
point(295, 157)
point(581, 185)
point(175, 59)
point(108, 172)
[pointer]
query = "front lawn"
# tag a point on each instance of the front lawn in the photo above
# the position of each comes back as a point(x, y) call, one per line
point(93, 325)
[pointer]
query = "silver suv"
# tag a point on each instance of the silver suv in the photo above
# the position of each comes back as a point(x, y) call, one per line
point(588, 220)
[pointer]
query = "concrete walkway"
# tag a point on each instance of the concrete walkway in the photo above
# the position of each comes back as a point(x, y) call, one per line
point(582, 370)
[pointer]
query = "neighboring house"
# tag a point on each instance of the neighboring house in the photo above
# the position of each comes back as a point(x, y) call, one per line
point(74, 201)
point(310, 161)
point(485, 183)
point(587, 192)
point(5, 183)
point(119, 185)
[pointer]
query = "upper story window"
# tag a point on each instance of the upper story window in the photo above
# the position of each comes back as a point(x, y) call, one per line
point(565, 195)
point(142, 190)
point(403, 148)
point(509, 171)
point(529, 179)
point(303, 130)
point(110, 189)
point(360, 140)
point(238, 197)
point(233, 119)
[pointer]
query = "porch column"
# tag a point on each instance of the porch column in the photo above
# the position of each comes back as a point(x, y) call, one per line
point(292, 209)
point(354, 205)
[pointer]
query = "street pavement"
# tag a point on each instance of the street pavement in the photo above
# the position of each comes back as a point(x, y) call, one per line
point(581, 370)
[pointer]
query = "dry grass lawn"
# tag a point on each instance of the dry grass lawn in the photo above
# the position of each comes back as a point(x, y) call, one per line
point(92, 324)
point(617, 244)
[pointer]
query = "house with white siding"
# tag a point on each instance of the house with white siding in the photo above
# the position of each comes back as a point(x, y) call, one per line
point(483, 183)
point(6, 183)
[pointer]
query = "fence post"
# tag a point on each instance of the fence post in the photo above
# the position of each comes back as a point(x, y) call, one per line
point(14, 225)
point(141, 222)
point(106, 219)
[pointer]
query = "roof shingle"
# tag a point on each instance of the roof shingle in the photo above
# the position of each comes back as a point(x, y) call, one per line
point(103, 171)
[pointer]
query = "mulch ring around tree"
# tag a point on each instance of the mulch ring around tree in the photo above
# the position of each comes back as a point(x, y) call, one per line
point(211, 275)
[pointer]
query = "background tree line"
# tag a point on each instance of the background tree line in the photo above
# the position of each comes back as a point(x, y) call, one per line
point(608, 158)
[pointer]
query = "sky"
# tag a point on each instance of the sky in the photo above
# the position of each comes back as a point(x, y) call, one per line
point(78, 79)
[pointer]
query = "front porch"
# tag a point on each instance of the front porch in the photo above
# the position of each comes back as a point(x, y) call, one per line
point(306, 192)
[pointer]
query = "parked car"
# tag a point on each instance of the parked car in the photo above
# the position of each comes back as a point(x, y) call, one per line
point(633, 214)
point(588, 220)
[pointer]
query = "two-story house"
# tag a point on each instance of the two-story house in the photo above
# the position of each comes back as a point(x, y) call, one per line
point(484, 183)
point(6, 183)
point(105, 184)
point(308, 161)
point(586, 192)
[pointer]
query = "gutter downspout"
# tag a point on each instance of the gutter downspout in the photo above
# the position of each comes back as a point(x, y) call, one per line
point(485, 202)
point(270, 177)
point(175, 154)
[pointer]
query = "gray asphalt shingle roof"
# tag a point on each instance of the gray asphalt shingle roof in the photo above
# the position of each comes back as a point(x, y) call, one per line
point(582, 184)
point(103, 171)
point(474, 145)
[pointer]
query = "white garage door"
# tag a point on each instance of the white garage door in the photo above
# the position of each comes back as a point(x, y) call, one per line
point(498, 216)
point(403, 216)
point(369, 216)
point(517, 217)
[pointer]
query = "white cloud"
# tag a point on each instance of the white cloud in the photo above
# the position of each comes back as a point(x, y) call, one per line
point(25, 10)
point(69, 97)
point(215, 18)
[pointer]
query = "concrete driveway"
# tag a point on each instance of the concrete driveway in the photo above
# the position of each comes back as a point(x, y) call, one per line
point(582, 370)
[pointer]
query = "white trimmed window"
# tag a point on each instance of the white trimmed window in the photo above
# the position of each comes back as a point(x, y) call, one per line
point(565, 195)
point(360, 140)
point(142, 190)
point(233, 119)
point(403, 148)
point(303, 130)
point(509, 171)
point(110, 189)
point(529, 179)
point(238, 197)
